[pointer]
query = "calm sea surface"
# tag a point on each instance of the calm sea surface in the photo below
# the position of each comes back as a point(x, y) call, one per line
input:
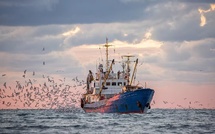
point(76, 121)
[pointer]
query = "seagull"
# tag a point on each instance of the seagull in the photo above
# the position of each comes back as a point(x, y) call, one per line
point(165, 102)
point(29, 82)
point(5, 85)
point(8, 104)
point(37, 104)
point(49, 80)
point(25, 71)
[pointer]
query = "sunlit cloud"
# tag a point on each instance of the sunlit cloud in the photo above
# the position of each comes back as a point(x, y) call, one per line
point(72, 32)
point(202, 17)
point(148, 35)
point(68, 35)
point(88, 54)
point(203, 20)
point(149, 44)
point(125, 34)
point(212, 6)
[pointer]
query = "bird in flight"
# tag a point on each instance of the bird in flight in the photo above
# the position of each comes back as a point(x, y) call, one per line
point(5, 85)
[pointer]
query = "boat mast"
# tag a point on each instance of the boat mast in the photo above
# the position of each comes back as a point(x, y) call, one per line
point(107, 45)
point(135, 68)
point(128, 66)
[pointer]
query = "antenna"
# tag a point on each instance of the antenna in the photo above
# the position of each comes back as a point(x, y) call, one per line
point(128, 64)
point(107, 45)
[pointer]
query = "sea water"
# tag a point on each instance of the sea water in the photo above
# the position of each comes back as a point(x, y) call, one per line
point(179, 121)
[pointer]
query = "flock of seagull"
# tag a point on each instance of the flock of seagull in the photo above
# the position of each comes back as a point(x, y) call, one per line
point(52, 94)
point(190, 104)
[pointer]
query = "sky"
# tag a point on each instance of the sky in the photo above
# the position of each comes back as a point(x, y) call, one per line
point(173, 40)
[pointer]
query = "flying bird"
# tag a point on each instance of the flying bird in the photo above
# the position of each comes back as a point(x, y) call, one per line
point(5, 85)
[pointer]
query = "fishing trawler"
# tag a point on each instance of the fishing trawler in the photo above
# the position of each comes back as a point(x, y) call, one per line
point(113, 92)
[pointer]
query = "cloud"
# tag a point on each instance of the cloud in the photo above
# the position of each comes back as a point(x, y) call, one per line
point(71, 32)
point(29, 40)
point(212, 7)
point(202, 18)
point(202, 12)
point(170, 21)
point(38, 5)
point(68, 35)
point(147, 35)
point(68, 12)
point(57, 63)
point(189, 56)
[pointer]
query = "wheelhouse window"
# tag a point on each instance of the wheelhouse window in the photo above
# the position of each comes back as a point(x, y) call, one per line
point(124, 83)
point(119, 83)
point(113, 83)
point(107, 83)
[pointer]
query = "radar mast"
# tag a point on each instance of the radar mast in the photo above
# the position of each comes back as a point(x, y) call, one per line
point(106, 46)
point(128, 65)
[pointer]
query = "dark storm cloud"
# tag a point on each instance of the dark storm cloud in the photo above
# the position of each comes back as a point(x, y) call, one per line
point(69, 12)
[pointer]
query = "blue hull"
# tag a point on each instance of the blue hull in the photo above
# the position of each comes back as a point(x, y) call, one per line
point(137, 101)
